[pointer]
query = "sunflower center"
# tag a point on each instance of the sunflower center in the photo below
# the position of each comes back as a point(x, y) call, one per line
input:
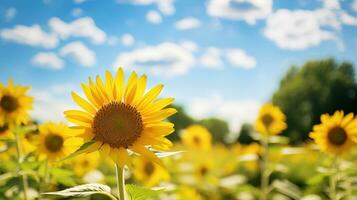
point(337, 136)
point(85, 163)
point(9, 103)
point(267, 120)
point(117, 124)
point(54, 142)
point(149, 168)
point(196, 140)
point(4, 128)
point(203, 170)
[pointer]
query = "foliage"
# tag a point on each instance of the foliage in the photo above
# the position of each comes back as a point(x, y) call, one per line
point(317, 87)
point(218, 127)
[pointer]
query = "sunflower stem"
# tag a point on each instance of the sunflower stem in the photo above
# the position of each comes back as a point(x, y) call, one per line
point(120, 181)
point(264, 173)
point(334, 179)
point(19, 160)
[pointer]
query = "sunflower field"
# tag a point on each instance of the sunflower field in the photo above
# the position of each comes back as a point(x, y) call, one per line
point(178, 100)
point(117, 147)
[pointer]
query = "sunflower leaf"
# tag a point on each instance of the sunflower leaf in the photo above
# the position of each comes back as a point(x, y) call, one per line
point(83, 191)
point(141, 193)
point(79, 151)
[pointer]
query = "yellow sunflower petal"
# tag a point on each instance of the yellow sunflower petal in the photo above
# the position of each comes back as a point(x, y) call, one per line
point(147, 153)
point(83, 103)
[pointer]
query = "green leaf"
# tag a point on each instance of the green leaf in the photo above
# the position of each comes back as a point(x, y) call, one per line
point(141, 193)
point(83, 191)
point(79, 151)
point(63, 176)
point(287, 188)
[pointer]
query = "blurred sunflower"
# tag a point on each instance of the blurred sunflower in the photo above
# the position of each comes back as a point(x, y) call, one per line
point(14, 104)
point(5, 132)
point(271, 121)
point(196, 137)
point(119, 118)
point(336, 134)
point(85, 163)
point(149, 172)
point(55, 141)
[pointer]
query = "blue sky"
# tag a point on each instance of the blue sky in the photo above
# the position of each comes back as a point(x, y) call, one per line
point(217, 57)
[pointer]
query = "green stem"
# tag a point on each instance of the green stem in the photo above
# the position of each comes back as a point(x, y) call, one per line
point(333, 179)
point(120, 181)
point(264, 169)
point(43, 185)
point(19, 160)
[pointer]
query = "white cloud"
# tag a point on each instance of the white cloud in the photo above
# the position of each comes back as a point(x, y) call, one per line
point(354, 5)
point(212, 58)
point(236, 112)
point(331, 4)
point(82, 27)
point(10, 13)
point(77, 12)
point(153, 17)
point(51, 102)
point(165, 59)
point(247, 10)
point(348, 19)
point(189, 45)
point(80, 53)
point(127, 40)
point(300, 29)
point(48, 60)
point(166, 7)
point(187, 23)
point(29, 35)
point(239, 58)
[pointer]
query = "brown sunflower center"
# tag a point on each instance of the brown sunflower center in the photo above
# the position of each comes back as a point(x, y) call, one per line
point(9, 103)
point(267, 120)
point(54, 142)
point(149, 168)
point(196, 140)
point(117, 124)
point(203, 170)
point(337, 136)
point(4, 128)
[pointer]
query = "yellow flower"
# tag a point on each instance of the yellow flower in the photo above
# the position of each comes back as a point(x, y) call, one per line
point(14, 104)
point(188, 193)
point(149, 172)
point(197, 137)
point(5, 132)
point(55, 141)
point(271, 121)
point(85, 163)
point(119, 118)
point(336, 133)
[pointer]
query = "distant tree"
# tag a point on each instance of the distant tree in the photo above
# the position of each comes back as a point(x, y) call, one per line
point(181, 120)
point(321, 86)
point(218, 128)
point(245, 134)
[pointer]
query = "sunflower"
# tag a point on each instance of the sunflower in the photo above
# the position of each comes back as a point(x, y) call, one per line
point(197, 137)
point(5, 132)
point(148, 172)
point(118, 118)
point(14, 104)
point(271, 121)
point(85, 163)
point(55, 141)
point(336, 134)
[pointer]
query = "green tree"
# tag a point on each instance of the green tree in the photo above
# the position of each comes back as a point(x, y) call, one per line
point(245, 134)
point(320, 86)
point(181, 120)
point(218, 128)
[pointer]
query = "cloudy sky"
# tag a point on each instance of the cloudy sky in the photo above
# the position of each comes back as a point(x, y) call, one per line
point(217, 57)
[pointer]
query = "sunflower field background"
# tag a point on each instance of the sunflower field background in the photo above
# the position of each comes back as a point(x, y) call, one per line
point(178, 100)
